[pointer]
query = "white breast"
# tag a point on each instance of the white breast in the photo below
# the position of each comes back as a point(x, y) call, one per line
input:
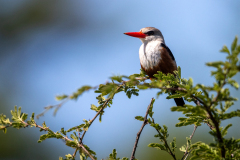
point(149, 54)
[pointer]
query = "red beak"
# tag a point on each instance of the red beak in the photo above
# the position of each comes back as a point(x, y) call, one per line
point(136, 34)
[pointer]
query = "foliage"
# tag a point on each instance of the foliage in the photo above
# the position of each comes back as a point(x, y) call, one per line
point(113, 156)
point(211, 108)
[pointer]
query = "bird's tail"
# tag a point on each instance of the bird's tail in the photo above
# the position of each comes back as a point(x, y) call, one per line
point(179, 101)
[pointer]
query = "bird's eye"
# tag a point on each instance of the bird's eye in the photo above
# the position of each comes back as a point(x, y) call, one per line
point(150, 33)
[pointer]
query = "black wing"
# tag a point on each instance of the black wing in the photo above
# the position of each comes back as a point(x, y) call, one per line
point(169, 51)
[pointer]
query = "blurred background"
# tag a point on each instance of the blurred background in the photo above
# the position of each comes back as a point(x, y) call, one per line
point(54, 47)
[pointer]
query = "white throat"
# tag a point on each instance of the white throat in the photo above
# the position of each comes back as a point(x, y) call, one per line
point(149, 53)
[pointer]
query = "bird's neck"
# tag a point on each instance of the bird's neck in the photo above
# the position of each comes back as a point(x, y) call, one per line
point(156, 39)
point(151, 47)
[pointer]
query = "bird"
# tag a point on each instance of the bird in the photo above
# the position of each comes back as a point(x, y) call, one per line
point(154, 54)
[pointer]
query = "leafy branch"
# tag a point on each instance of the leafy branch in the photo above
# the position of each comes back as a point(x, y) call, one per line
point(19, 121)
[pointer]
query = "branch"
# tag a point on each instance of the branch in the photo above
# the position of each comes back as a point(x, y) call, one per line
point(197, 102)
point(69, 97)
point(91, 121)
point(80, 145)
point(219, 135)
point(216, 124)
point(57, 106)
point(186, 153)
point(36, 125)
point(75, 152)
point(85, 150)
point(2, 127)
point(165, 142)
point(195, 127)
point(145, 121)
point(104, 105)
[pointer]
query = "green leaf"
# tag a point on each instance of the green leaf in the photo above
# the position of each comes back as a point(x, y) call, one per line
point(140, 118)
point(80, 91)
point(216, 64)
point(113, 155)
point(224, 131)
point(87, 124)
point(173, 144)
point(225, 49)
point(19, 111)
point(24, 116)
point(3, 128)
point(117, 78)
point(230, 115)
point(69, 157)
point(234, 44)
point(106, 89)
point(93, 107)
point(74, 137)
point(76, 127)
point(61, 97)
point(63, 131)
point(179, 72)
point(183, 148)
point(150, 112)
point(176, 95)
point(158, 146)
point(142, 86)
point(156, 126)
point(233, 83)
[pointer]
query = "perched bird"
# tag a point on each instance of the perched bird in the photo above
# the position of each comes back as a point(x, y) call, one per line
point(155, 55)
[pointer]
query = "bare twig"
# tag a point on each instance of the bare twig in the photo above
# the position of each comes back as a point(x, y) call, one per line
point(75, 152)
point(187, 155)
point(57, 106)
point(145, 121)
point(195, 127)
